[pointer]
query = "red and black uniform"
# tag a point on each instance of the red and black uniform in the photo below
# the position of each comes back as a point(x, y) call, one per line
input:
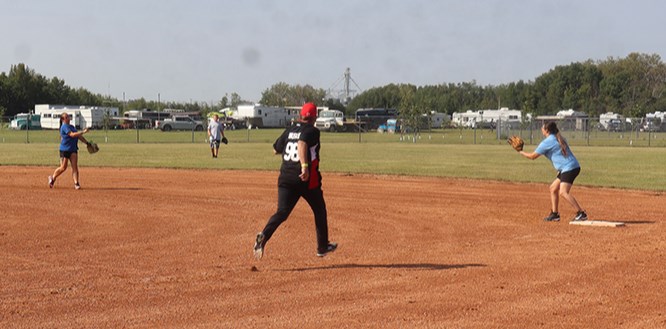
point(290, 186)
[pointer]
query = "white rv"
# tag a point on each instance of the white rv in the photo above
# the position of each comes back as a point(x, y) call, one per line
point(574, 120)
point(570, 113)
point(656, 115)
point(611, 121)
point(465, 119)
point(258, 116)
point(471, 119)
point(655, 121)
point(82, 116)
point(438, 120)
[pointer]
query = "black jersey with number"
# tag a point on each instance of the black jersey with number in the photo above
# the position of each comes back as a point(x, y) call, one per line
point(287, 145)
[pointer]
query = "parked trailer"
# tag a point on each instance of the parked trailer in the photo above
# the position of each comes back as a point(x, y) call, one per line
point(259, 116)
point(82, 116)
point(490, 118)
point(372, 118)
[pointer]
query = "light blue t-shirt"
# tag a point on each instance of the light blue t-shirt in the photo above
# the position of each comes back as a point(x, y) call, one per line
point(68, 144)
point(550, 148)
point(215, 129)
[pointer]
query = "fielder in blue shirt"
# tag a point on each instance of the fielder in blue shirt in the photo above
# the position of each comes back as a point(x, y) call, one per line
point(555, 148)
point(69, 150)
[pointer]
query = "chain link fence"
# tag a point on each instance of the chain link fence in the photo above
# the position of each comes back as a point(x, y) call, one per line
point(592, 132)
point(632, 132)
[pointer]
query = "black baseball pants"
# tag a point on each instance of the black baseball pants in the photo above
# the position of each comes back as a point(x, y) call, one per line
point(288, 196)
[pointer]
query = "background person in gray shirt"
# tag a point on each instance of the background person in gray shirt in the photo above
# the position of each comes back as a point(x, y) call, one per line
point(215, 134)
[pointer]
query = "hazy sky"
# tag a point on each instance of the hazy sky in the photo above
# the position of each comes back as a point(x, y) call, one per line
point(200, 50)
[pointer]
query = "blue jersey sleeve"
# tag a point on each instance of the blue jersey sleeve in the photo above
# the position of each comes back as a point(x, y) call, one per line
point(65, 130)
point(544, 146)
point(540, 149)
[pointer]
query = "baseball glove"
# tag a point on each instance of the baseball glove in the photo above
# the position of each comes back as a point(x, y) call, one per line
point(516, 142)
point(225, 140)
point(92, 147)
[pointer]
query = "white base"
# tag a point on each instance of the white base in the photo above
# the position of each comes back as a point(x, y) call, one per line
point(597, 223)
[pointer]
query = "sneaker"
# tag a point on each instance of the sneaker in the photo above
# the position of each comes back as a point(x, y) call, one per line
point(77, 186)
point(330, 248)
point(259, 246)
point(580, 216)
point(51, 181)
point(553, 217)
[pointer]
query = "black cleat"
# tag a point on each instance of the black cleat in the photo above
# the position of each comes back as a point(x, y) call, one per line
point(553, 217)
point(580, 216)
point(259, 246)
point(330, 248)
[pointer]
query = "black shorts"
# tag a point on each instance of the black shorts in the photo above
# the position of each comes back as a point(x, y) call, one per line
point(67, 154)
point(568, 176)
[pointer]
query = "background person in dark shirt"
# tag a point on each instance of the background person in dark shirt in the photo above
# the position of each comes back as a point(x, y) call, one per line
point(299, 177)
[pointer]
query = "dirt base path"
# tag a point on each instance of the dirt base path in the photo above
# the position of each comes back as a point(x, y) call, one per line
point(172, 248)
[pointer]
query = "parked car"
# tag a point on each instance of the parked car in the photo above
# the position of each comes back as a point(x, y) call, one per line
point(179, 122)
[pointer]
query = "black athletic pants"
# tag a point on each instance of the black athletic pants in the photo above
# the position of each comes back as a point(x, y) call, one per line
point(288, 196)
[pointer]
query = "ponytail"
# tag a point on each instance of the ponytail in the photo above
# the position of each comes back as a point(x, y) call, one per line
point(563, 143)
point(551, 127)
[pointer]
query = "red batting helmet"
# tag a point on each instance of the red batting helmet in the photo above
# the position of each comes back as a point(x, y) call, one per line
point(309, 110)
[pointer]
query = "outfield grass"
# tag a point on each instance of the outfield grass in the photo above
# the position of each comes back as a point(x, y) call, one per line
point(620, 167)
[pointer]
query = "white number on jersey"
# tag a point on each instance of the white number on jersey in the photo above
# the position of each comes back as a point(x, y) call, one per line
point(291, 152)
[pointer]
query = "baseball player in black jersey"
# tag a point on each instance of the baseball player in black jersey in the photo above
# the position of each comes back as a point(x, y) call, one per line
point(299, 177)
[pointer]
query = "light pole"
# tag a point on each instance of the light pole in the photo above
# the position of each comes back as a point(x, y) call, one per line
point(27, 127)
point(107, 118)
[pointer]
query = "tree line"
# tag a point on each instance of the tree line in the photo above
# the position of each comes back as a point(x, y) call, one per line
point(21, 88)
point(631, 86)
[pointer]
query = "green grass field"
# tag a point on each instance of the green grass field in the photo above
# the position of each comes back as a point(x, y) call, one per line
point(434, 155)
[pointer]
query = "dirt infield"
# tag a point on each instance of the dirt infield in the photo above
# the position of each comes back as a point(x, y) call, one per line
point(139, 248)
